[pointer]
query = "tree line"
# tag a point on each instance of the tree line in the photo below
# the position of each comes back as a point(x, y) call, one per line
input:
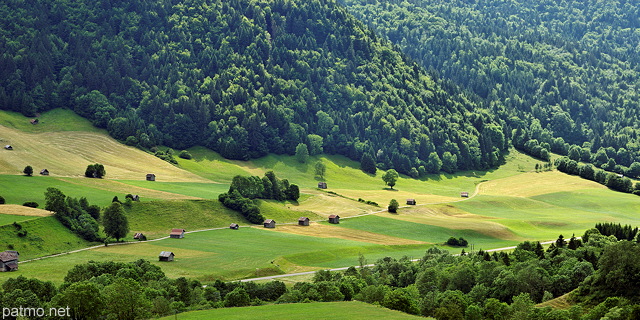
point(614, 181)
point(83, 219)
point(244, 78)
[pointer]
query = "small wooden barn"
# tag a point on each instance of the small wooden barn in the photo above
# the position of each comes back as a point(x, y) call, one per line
point(464, 194)
point(269, 223)
point(151, 177)
point(234, 226)
point(303, 221)
point(166, 256)
point(44, 172)
point(411, 202)
point(334, 218)
point(8, 147)
point(322, 185)
point(135, 197)
point(177, 233)
point(34, 121)
point(139, 236)
point(9, 260)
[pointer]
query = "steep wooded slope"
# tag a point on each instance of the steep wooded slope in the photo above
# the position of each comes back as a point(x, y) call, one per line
point(555, 69)
point(243, 77)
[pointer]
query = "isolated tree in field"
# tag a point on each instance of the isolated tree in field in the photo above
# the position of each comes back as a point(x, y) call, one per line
point(302, 153)
point(321, 169)
point(2, 201)
point(95, 171)
point(28, 170)
point(390, 177)
point(115, 222)
point(367, 164)
point(393, 206)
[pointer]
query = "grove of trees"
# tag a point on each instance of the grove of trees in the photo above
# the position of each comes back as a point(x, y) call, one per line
point(244, 190)
point(76, 214)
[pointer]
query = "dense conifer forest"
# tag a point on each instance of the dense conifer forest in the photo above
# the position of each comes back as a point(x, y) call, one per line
point(243, 77)
point(563, 73)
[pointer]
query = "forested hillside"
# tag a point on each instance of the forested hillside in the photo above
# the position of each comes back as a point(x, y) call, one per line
point(243, 77)
point(565, 72)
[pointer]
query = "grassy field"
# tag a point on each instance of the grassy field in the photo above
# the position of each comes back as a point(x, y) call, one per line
point(66, 152)
point(11, 218)
point(318, 310)
point(229, 254)
point(45, 236)
point(156, 218)
point(512, 204)
point(424, 232)
point(28, 212)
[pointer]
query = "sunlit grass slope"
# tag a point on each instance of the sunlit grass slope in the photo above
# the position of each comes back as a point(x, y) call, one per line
point(55, 145)
point(44, 236)
point(352, 310)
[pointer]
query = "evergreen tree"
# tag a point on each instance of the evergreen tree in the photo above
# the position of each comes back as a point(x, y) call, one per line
point(367, 164)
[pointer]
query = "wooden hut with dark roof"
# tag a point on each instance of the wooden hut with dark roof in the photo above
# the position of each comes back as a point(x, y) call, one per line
point(322, 185)
point(9, 260)
point(464, 194)
point(166, 256)
point(151, 177)
point(234, 226)
point(269, 223)
point(177, 233)
point(411, 202)
point(44, 172)
point(303, 221)
point(334, 218)
point(8, 147)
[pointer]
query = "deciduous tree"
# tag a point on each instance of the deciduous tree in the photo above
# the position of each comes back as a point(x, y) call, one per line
point(115, 221)
point(390, 177)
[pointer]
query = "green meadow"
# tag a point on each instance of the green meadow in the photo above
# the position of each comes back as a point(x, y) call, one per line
point(228, 254)
point(18, 189)
point(44, 236)
point(423, 232)
point(351, 310)
point(508, 205)
point(11, 218)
